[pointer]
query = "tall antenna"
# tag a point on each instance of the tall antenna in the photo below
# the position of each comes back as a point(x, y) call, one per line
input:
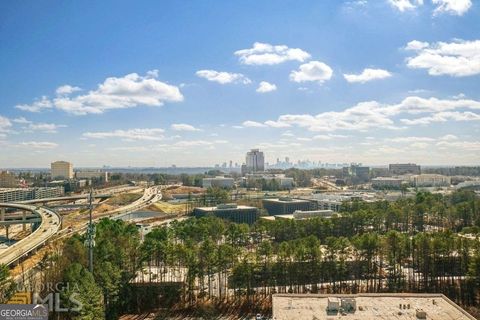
point(90, 233)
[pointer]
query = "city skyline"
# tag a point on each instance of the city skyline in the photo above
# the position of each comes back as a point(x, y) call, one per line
point(375, 82)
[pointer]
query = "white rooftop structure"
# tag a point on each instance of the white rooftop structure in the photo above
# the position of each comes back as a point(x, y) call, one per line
point(407, 306)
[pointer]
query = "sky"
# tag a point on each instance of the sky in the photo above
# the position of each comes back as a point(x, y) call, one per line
point(194, 83)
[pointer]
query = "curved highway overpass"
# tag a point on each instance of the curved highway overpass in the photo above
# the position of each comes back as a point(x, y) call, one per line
point(50, 224)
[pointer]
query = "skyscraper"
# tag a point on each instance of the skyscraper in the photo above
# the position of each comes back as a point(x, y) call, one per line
point(255, 161)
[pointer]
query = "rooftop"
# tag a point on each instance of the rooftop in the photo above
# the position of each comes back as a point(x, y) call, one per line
point(285, 200)
point(367, 306)
point(228, 207)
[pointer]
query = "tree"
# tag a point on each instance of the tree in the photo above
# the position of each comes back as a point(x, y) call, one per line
point(7, 286)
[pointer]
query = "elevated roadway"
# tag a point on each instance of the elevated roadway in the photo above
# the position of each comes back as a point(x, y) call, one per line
point(49, 226)
point(67, 198)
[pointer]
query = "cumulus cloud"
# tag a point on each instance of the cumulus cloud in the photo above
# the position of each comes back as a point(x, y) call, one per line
point(150, 134)
point(312, 71)
point(265, 87)
point(66, 89)
point(39, 144)
point(129, 91)
point(372, 114)
point(443, 117)
point(459, 58)
point(5, 124)
point(455, 7)
point(37, 105)
point(44, 127)
point(403, 5)
point(223, 77)
point(367, 75)
point(267, 54)
point(183, 127)
point(253, 124)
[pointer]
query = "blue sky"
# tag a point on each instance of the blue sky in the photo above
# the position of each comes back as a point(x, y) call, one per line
point(155, 83)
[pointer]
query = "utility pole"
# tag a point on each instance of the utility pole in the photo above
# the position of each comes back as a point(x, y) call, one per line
point(90, 242)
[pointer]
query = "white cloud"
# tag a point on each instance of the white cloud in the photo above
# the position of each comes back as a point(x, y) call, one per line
point(21, 120)
point(129, 91)
point(39, 144)
point(66, 89)
point(312, 71)
point(196, 143)
point(265, 86)
point(456, 7)
point(151, 134)
point(443, 117)
point(5, 124)
point(459, 58)
point(183, 127)
point(372, 115)
point(403, 5)
point(255, 124)
point(276, 124)
point(329, 136)
point(416, 45)
point(367, 75)
point(44, 127)
point(468, 146)
point(449, 137)
point(411, 139)
point(36, 106)
point(267, 54)
point(223, 77)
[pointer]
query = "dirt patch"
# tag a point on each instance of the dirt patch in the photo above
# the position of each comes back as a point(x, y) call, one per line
point(123, 199)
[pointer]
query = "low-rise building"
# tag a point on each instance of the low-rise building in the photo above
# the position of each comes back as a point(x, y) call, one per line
point(232, 212)
point(218, 182)
point(280, 180)
point(287, 205)
point(387, 183)
point(430, 180)
point(23, 194)
point(386, 306)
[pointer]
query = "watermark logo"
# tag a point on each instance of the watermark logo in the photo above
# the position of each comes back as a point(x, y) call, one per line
point(23, 312)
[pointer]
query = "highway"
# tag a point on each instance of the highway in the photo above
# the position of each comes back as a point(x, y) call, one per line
point(49, 226)
point(68, 198)
point(50, 223)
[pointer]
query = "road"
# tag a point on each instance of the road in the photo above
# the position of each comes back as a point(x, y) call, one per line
point(49, 226)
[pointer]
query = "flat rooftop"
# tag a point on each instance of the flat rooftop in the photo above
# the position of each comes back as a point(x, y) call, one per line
point(286, 200)
point(368, 306)
point(239, 207)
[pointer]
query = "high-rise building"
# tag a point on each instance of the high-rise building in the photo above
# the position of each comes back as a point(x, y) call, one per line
point(404, 168)
point(62, 169)
point(255, 161)
point(8, 180)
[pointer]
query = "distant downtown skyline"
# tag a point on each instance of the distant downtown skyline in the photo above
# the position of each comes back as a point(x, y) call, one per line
point(200, 83)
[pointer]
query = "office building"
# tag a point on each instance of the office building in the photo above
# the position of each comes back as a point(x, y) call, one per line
point(92, 174)
point(232, 212)
point(387, 183)
point(8, 180)
point(255, 161)
point(430, 180)
point(286, 205)
point(385, 306)
point(358, 171)
point(23, 194)
point(61, 169)
point(218, 182)
point(404, 168)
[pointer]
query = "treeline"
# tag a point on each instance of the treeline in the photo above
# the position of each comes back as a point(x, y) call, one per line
point(410, 245)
